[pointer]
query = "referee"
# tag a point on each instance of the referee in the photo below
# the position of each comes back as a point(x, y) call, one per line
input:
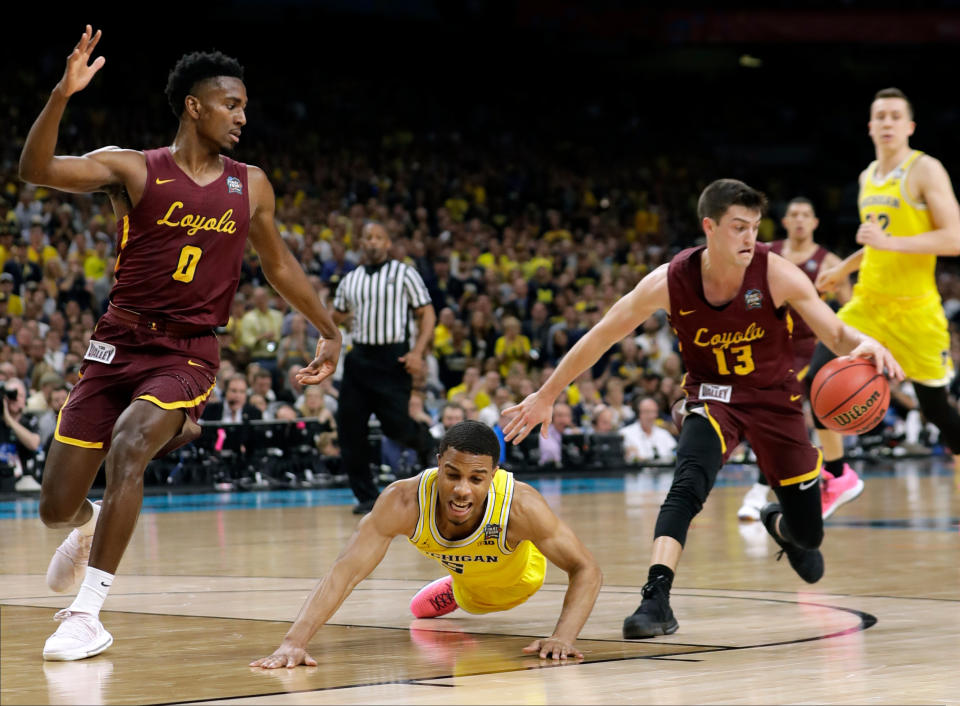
point(378, 370)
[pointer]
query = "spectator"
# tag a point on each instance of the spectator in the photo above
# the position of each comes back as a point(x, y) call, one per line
point(7, 286)
point(469, 387)
point(235, 407)
point(646, 441)
point(490, 415)
point(454, 357)
point(551, 447)
point(47, 422)
point(337, 265)
point(19, 438)
point(260, 330)
point(313, 406)
point(297, 347)
point(452, 413)
point(603, 420)
point(512, 346)
point(622, 413)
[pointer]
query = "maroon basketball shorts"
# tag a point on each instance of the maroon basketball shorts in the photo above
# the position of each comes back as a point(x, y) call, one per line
point(126, 363)
point(772, 421)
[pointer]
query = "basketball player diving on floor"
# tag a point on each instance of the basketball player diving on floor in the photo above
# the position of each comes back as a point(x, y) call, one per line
point(727, 302)
point(490, 532)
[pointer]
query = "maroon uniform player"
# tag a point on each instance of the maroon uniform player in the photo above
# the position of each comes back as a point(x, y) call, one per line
point(799, 247)
point(727, 302)
point(185, 213)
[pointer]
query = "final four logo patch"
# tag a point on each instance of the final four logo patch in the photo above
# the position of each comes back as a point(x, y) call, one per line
point(234, 185)
point(491, 531)
point(753, 299)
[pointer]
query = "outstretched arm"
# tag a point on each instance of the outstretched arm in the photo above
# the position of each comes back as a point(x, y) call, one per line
point(630, 311)
point(391, 515)
point(531, 518)
point(91, 172)
point(789, 285)
point(287, 276)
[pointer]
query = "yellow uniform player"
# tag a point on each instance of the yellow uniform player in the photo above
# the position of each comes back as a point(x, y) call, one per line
point(909, 215)
point(489, 531)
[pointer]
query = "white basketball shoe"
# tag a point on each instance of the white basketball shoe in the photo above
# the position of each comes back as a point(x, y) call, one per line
point(80, 635)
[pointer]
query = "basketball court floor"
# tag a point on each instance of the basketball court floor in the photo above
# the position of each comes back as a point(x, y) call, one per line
point(211, 582)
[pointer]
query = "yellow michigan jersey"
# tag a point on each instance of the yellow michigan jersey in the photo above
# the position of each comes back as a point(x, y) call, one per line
point(895, 299)
point(487, 574)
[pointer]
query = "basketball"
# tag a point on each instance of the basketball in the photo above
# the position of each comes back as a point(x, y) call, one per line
point(849, 396)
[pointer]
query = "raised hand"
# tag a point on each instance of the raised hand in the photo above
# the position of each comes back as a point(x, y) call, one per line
point(79, 71)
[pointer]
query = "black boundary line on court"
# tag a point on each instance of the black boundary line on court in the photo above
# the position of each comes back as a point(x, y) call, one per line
point(866, 622)
point(852, 611)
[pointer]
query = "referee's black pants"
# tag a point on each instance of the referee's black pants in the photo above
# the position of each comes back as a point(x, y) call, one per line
point(375, 382)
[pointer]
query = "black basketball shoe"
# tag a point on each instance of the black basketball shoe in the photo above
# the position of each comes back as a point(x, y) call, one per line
point(808, 563)
point(654, 616)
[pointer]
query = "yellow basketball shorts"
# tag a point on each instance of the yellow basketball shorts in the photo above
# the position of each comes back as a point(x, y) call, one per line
point(478, 596)
point(914, 330)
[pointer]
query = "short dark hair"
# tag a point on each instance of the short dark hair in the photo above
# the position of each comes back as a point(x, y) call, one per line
point(471, 437)
point(893, 92)
point(803, 201)
point(193, 68)
point(721, 194)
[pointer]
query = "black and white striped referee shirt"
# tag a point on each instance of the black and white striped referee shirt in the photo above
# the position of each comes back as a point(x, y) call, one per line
point(381, 299)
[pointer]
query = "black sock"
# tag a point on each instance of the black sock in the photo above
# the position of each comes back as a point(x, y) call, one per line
point(835, 467)
point(664, 573)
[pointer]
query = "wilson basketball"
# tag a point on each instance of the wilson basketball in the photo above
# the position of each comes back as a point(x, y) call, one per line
point(849, 396)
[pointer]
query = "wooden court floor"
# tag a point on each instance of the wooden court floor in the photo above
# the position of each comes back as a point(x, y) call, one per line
point(201, 593)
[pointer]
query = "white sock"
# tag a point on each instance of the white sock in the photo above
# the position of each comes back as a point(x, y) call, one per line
point(93, 592)
point(90, 526)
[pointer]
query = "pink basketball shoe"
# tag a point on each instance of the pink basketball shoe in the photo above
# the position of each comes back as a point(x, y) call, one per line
point(839, 490)
point(434, 599)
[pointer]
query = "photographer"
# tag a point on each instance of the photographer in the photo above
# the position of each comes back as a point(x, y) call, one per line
point(19, 440)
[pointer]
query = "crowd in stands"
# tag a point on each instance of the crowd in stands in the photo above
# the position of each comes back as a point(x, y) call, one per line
point(521, 253)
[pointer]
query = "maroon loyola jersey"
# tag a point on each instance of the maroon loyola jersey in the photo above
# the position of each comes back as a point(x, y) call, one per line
point(733, 349)
point(804, 339)
point(181, 247)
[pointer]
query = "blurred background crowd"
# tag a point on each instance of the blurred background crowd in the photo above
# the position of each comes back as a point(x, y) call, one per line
point(532, 178)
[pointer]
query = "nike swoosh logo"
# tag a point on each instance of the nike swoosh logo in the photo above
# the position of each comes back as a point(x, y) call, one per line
point(809, 483)
point(106, 585)
point(686, 313)
point(794, 398)
point(164, 181)
point(196, 365)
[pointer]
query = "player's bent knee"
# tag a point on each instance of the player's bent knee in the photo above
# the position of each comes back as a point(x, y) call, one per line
point(56, 512)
